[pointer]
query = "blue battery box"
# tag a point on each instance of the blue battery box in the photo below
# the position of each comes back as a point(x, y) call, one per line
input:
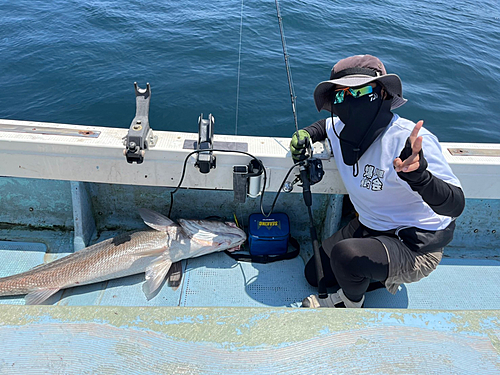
point(268, 235)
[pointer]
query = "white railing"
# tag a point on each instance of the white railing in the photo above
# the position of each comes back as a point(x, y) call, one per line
point(95, 154)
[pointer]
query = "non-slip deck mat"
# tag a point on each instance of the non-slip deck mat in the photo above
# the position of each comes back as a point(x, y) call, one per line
point(456, 284)
point(125, 291)
point(20, 256)
point(218, 280)
point(16, 257)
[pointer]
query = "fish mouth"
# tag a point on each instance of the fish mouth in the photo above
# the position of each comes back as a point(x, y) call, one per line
point(235, 245)
point(235, 248)
point(232, 243)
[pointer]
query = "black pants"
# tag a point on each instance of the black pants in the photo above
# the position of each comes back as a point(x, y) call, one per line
point(351, 259)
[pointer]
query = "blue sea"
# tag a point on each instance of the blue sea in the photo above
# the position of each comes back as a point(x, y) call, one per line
point(75, 61)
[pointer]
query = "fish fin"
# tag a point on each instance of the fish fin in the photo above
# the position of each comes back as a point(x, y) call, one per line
point(38, 296)
point(155, 275)
point(155, 220)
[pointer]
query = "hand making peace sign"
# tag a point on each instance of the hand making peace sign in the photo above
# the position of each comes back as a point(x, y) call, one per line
point(412, 162)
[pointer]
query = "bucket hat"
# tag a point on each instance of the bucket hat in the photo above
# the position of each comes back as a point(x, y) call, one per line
point(356, 71)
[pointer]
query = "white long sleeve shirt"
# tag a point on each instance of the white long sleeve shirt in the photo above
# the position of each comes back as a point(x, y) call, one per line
point(382, 199)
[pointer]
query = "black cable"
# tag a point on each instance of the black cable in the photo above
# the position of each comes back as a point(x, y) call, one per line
point(238, 152)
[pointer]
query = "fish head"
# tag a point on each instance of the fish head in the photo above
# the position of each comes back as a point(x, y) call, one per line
point(213, 235)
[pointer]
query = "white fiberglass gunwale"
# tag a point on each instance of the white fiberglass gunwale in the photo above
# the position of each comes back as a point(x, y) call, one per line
point(95, 154)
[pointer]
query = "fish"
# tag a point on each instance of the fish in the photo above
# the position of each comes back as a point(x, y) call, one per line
point(150, 251)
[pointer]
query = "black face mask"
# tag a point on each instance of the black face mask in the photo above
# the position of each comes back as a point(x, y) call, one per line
point(364, 119)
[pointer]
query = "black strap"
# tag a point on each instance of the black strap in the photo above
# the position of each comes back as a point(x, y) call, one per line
point(268, 258)
point(354, 70)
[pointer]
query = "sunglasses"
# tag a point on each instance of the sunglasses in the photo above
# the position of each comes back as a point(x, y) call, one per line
point(357, 92)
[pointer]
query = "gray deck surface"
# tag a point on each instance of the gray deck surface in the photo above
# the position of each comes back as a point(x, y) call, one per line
point(227, 317)
point(216, 280)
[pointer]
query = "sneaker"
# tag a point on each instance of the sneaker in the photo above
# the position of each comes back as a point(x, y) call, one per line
point(338, 299)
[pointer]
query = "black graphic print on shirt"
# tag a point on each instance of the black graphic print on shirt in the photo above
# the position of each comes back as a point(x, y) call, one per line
point(372, 178)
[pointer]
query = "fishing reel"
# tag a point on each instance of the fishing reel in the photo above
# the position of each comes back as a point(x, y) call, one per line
point(314, 173)
point(315, 170)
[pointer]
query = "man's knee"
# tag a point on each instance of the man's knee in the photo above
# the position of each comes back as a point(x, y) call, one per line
point(360, 257)
point(344, 253)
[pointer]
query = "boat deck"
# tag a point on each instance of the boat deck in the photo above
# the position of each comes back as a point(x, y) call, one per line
point(216, 280)
point(228, 317)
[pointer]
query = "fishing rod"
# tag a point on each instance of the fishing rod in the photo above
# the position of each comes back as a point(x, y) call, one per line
point(287, 65)
point(311, 170)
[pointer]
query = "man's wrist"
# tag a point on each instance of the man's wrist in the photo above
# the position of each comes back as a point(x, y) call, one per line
point(416, 178)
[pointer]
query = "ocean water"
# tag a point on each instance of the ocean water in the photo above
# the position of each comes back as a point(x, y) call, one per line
point(76, 61)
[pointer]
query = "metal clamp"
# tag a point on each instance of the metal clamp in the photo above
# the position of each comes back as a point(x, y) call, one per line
point(205, 160)
point(140, 136)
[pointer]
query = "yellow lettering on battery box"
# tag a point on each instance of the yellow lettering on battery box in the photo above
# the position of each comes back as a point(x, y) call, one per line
point(269, 224)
